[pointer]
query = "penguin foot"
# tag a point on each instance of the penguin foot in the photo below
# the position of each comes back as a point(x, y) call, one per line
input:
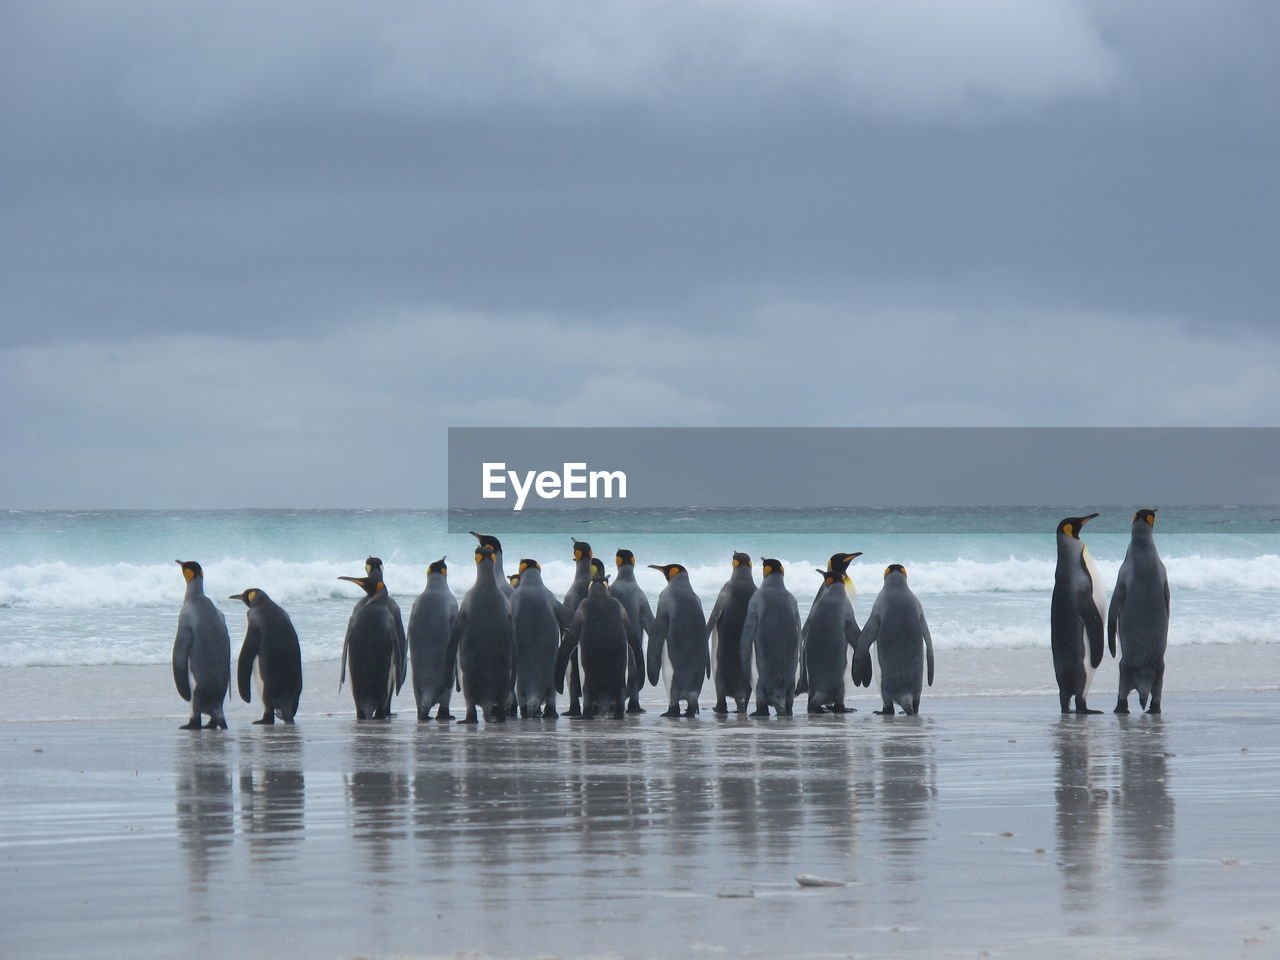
point(838, 707)
point(672, 712)
point(264, 722)
point(1083, 711)
point(742, 706)
point(760, 712)
point(1121, 708)
point(443, 717)
point(574, 712)
point(1155, 707)
point(817, 708)
point(886, 712)
point(634, 706)
point(218, 724)
point(692, 711)
point(720, 707)
point(191, 725)
point(549, 713)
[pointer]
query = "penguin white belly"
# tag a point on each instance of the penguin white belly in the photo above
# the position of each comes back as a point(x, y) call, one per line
point(667, 670)
point(257, 678)
point(715, 646)
point(1099, 601)
point(850, 590)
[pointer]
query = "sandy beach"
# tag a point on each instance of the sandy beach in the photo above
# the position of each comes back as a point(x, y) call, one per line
point(987, 826)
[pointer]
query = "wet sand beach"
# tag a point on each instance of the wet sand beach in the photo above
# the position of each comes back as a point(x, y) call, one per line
point(986, 824)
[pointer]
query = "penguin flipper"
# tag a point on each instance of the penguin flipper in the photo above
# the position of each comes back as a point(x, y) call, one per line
point(1113, 611)
point(567, 646)
point(750, 627)
point(928, 644)
point(451, 655)
point(182, 658)
point(1094, 629)
point(657, 640)
point(861, 671)
point(852, 631)
point(244, 667)
point(564, 616)
point(402, 647)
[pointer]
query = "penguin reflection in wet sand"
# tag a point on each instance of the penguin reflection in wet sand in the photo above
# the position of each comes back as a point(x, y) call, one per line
point(771, 640)
point(539, 620)
point(373, 570)
point(904, 648)
point(627, 591)
point(600, 635)
point(678, 641)
point(729, 661)
point(372, 645)
point(431, 623)
point(201, 652)
point(829, 632)
point(483, 642)
point(270, 654)
point(1077, 613)
point(1139, 616)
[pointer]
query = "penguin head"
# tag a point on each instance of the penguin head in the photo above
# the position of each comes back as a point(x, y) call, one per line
point(597, 567)
point(895, 568)
point(669, 570)
point(527, 564)
point(372, 565)
point(828, 577)
point(1070, 527)
point(438, 567)
point(769, 566)
point(581, 549)
point(741, 559)
point(839, 563)
point(513, 579)
point(249, 596)
point(484, 554)
point(1146, 514)
point(370, 585)
point(599, 582)
point(488, 541)
point(624, 558)
point(190, 569)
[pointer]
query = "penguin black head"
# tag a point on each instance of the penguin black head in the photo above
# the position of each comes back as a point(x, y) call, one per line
point(249, 596)
point(488, 541)
point(624, 558)
point(438, 567)
point(669, 570)
point(483, 554)
point(741, 559)
point(190, 569)
point(895, 568)
point(828, 577)
point(513, 579)
point(372, 563)
point(1146, 514)
point(600, 581)
point(581, 549)
point(526, 563)
point(370, 585)
point(768, 565)
point(1071, 525)
point(839, 563)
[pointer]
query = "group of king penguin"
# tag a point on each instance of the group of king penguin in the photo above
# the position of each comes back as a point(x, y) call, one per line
point(511, 644)
point(1138, 617)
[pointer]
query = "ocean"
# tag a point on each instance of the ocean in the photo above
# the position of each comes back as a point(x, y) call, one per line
point(100, 587)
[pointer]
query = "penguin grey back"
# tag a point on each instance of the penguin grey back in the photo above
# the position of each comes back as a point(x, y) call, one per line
point(1077, 612)
point(678, 641)
point(201, 652)
point(771, 635)
point(1139, 616)
point(729, 659)
point(270, 650)
point(539, 620)
point(829, 632)
point(904, 648)
point(431, 622)
point(599, 635)
point(484, 643)
point(627, 591)
point(371, 648)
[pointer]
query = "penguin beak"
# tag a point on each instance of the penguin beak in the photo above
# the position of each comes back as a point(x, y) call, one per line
point(1084, 520)
point(353, 580)
point(654, 566)
point(852, 556)
point(236, 596)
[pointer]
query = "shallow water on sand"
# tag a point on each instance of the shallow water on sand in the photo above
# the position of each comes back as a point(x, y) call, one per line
point(984, 825)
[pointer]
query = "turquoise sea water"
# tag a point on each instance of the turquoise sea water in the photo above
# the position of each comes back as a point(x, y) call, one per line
point(100, 587)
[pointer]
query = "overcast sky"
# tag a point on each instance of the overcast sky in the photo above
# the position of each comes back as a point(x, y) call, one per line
point(263, 253)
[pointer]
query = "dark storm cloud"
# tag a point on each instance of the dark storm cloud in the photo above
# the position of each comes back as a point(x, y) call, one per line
point(238, 231)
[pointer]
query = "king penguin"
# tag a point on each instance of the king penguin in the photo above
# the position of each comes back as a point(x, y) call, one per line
point(724, 629)
point(678, 641)
point(484, 644)
point(1077, 613)
point(771, 641)
point(270, 653)
point(372, 645)
point(838, 569)
point(627, 590)
point(539, 621)
point(1139, 616)
point(599, 635)
point(201, 652)
point(582, 573)
point(373, 570)
point(904, 649)
point(431, 623)
point(829, 632)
